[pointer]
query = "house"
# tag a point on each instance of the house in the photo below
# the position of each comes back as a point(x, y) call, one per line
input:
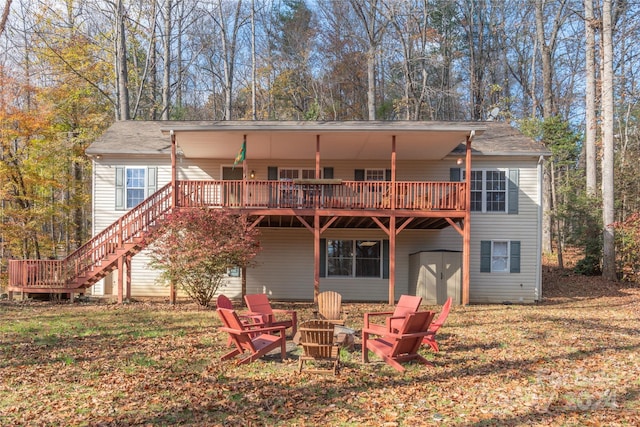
point(372, 210)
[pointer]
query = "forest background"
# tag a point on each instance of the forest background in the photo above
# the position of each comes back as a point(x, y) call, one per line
point(562, 71)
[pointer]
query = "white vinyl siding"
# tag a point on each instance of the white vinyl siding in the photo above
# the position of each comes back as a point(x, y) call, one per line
point(285, 264)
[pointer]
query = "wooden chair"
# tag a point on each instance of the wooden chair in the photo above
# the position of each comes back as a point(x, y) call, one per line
point(401, 346)
point(330, 308)
point(257, 340)
point(259, 304)
point(318, 345)
point(393, 319)
point(430, 339)
point(224, 302)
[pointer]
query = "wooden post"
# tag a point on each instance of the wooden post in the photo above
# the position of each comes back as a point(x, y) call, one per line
point(392, 259)
point(127, 262)
point(120, 279)
point(316, 256)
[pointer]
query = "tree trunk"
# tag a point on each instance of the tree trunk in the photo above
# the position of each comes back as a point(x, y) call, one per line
point(590, 100)
point(609, 254)
point(166, 77)
point(122, 72)
point(5, 16)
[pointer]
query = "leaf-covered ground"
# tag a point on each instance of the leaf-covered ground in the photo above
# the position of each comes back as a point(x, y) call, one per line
point(573, 360)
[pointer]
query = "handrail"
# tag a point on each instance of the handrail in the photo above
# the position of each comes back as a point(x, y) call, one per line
point(57, 273)
point(409, 195)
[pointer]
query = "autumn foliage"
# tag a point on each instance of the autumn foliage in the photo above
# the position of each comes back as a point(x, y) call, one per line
point(628, 246)
point(194, 248)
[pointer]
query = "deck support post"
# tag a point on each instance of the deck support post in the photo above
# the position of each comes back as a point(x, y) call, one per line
point(120, 279)
point(316, 257)
point(127, 265)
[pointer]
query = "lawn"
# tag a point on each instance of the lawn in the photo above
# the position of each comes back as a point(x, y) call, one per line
point(572, 360)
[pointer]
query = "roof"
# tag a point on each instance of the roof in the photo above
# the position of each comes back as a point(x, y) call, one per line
point(285, 139)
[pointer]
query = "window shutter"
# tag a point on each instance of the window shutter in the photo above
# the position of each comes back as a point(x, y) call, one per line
point(152, 180)
point(455, 174)
point(385, 259)
point(323, 257)
point(387, 174)
point(120, 193)
point(327, 173)
point(485, 256)
point(514, 176)
point(272, 173)
point(358, 175)
point(514, 256)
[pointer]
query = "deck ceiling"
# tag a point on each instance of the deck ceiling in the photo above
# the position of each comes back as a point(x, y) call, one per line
point(338, 140)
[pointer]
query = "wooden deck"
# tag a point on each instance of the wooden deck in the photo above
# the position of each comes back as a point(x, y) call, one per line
point(353, 204)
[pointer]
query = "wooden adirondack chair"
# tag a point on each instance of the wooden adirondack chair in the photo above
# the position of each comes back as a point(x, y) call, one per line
point(330, 308)
point(318, 344)
point(224, 302)
point(430, 339)
point(259, 304)
point(393, 319)
point(401, 346)
point(257, 340)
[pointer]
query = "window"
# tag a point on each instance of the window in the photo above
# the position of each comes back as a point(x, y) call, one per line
point(500, 256)
point(354, 258)
point(488, 190)
point(289, 174)
point(374, 174)
point(233, 272)
point(135, 185)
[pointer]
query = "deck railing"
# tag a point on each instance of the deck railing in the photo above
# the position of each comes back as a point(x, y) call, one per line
point(60, 273)
point(315, 194)
point(116, 239)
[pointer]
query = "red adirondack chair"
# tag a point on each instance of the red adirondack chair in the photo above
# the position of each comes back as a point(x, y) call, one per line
point(224, 302)
point(401, 346)
point(257, 340)
point(393, 319)
point(430, 339)
point(259, 304)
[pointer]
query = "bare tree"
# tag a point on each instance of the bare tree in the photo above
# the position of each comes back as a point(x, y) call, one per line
point(608, 211)
point(374, 25)
point(590, 25)
point(122, 74)
point(5, 16)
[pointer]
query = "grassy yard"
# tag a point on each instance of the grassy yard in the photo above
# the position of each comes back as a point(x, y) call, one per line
point(572, 360)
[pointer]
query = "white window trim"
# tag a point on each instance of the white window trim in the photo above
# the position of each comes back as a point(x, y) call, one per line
point(484, 189)
point(127, 188)
point(507, 256)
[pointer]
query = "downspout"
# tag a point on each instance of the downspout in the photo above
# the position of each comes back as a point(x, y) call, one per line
point(538, 292)
point(173, 293)
point(174, 192)
point(466, 235)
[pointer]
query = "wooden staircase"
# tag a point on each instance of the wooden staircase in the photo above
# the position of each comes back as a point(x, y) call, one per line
point(96, 258)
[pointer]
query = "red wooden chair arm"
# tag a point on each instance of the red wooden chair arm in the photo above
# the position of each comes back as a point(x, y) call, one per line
point(375, 313)
point(253, 331)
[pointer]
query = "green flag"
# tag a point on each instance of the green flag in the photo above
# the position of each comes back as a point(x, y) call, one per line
point(241, 154)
